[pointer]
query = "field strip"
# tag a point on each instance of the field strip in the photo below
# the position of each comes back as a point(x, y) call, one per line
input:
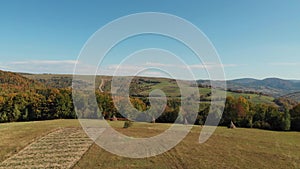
point(59, 149)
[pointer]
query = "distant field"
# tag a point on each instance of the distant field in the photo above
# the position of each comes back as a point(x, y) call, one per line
point(254, 98)
point(227, 148)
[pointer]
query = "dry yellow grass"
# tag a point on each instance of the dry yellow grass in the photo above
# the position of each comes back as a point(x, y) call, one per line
point(227, 148)
point(16, 136)
point(61, 148)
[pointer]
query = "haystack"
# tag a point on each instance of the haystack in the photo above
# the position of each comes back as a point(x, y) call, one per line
point(185, 122)
point(153, 120)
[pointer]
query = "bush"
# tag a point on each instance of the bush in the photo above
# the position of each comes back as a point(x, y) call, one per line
point(295, 124)
point(261, 125)
point(127, 124)
point(257, 124)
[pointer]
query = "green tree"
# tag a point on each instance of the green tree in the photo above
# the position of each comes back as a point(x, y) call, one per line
point(295, 118)
point(274, 118)
point(230, 111)
point(286, 121)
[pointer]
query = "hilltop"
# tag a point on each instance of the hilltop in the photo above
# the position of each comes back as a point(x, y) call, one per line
point(274, 87)
point(15, 82)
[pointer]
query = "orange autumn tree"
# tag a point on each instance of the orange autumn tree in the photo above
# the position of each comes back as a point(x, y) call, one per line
point(242, 107)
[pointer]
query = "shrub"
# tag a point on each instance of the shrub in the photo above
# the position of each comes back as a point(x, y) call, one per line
point(261, 125)
point(127, 124)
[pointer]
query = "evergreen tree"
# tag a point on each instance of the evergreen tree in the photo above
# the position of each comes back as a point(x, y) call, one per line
point(295, 118)
point(286, 121)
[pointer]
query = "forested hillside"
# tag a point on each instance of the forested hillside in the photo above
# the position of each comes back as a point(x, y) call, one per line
point(271, 86)
point(12, 82)
point(24, 99)
point(29, 97)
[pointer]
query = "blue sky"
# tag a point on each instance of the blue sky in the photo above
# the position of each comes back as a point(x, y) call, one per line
point(254, 38)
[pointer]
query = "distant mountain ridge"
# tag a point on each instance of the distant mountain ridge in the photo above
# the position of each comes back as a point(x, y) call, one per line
point(244, 80)
point(272, 86)
point(275, 87)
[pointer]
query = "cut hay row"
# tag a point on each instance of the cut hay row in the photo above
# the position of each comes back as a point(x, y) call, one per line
point(59, 149)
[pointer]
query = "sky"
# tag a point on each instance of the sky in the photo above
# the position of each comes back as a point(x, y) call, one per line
point(254, 38)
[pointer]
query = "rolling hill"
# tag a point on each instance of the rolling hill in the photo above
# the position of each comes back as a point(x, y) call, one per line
point(274, 87)
point(293, 96)
point(14, 82)
point(141, 86)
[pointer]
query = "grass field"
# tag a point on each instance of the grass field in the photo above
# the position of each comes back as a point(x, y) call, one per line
point(15, 136)
point(227, 148)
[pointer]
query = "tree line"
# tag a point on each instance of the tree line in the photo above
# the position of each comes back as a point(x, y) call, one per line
point(42, 104)
point(47, 104)
point(273, 117)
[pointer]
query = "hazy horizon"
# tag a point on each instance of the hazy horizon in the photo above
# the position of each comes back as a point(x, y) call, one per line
point(238, 78)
